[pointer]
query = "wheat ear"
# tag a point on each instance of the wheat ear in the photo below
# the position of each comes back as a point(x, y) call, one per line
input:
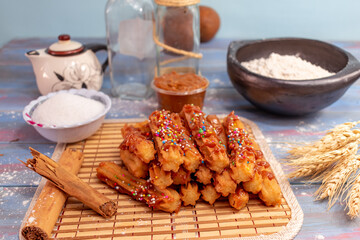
point(338, 137)
point(353, 198)
point(334, 181)
point(313, 165)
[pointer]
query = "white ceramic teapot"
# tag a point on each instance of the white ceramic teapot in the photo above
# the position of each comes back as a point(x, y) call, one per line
point(67, 64)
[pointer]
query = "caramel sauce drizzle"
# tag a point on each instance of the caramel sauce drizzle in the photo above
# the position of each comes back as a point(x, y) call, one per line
point(171, 132)
point(241, 145)
point(203, 132)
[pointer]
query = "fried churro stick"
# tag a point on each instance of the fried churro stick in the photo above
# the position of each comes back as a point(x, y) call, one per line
point(205, 136)
point(241, 166)
point(209, 194)
point(173, 142)
point(204, 175)
point(116, 177)
point(270, 192)
point(189, 193)
point(170, 155)
point(263, 180)
point(192, 156)
point(142, 127)
point(239, 199)
point(242, 154)
point(137, 150)
point(137, 139)
point(224, 184)
point(181, 177)
point(219, 129)
point(159, 177)
point(255, 184)
point(135, 166)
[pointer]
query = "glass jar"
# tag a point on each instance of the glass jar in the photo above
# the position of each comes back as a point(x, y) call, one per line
point(177, 37)
point(131, 49)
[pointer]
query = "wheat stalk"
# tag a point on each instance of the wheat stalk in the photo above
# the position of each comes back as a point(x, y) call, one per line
point(334, 181)
point(353, 197)
point(332, 160)
point(313, 165)
point(338, 137)
point(310, 170)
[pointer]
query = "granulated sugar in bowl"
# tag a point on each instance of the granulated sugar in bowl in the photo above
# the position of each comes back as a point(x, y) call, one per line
point(65, 109)
point(69, 115)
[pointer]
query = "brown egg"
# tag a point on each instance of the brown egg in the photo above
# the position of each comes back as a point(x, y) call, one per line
point(209, 23)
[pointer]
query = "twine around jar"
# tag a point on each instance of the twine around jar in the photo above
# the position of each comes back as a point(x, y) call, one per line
point(172, 49)
point(177, 3)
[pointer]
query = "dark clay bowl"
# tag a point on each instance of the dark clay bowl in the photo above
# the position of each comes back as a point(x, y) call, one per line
point(292, 97)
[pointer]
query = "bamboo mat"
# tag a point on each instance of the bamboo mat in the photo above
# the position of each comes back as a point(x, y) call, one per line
point(134, 220)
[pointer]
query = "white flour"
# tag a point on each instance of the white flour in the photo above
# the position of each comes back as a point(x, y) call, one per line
point(66, 109)
point(287, 67)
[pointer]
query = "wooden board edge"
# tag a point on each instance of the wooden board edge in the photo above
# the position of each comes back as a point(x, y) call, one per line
point(60, 147)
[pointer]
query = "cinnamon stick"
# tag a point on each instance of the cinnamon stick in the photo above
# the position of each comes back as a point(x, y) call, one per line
point(50, 202)
point(116, 177)
point(71, 184)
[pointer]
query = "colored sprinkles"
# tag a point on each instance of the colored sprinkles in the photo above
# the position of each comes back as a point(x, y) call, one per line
point(239, 141)
point(172, 134)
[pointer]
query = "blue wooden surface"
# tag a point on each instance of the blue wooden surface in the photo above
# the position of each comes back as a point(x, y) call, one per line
point(18, 87)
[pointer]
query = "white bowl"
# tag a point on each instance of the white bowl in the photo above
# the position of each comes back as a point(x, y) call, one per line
point(74, 132)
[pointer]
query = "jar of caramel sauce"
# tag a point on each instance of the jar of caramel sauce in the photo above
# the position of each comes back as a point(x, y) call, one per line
point(174, 90)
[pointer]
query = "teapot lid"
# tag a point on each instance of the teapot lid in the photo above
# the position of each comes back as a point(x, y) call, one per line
point(65, 46)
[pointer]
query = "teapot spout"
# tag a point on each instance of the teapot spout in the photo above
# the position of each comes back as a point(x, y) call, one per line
point(31, 53)
point(35, 56)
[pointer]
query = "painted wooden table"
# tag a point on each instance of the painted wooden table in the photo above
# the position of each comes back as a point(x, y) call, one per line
point(18, 88)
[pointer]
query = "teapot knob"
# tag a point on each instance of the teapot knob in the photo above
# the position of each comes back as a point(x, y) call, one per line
point(64, 37)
